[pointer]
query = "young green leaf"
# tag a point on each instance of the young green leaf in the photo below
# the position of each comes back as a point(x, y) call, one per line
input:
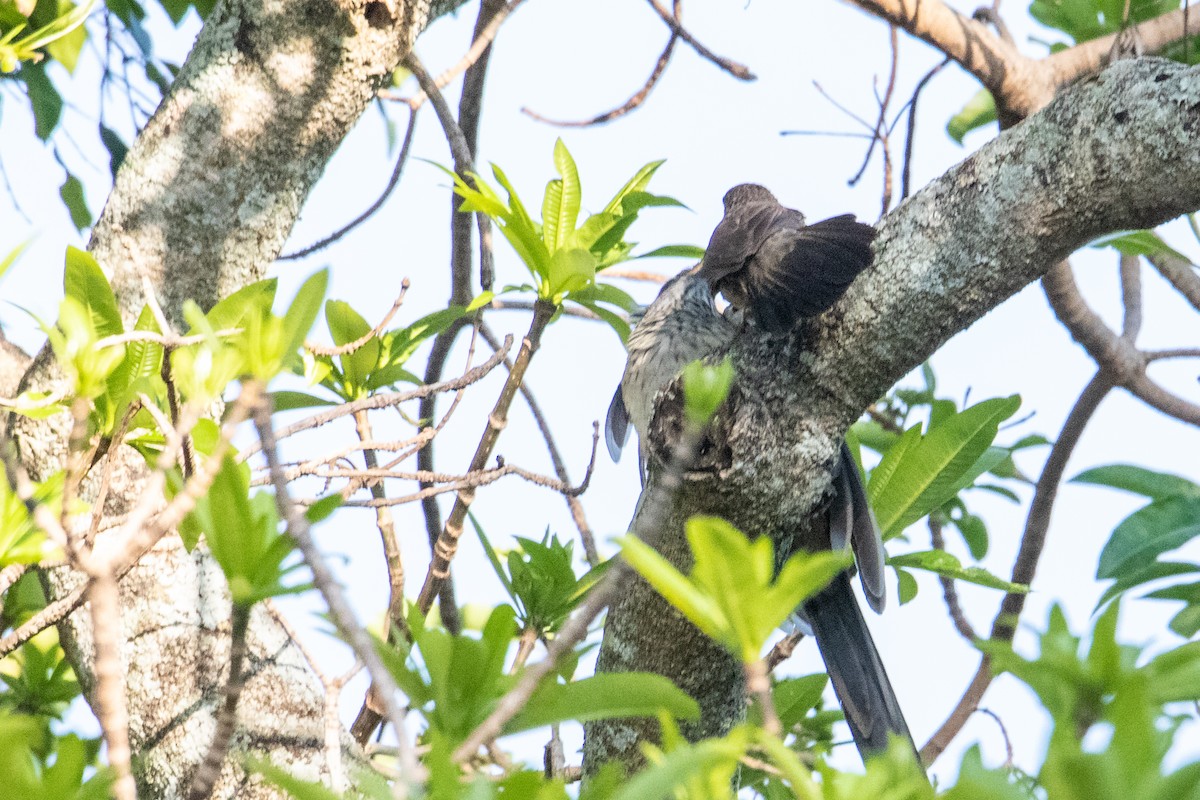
point(919, 474)
point(604, 696)
point(86, 283)
point(947, 565)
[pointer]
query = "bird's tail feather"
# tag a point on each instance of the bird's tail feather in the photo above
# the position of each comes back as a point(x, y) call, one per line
point(854, 666)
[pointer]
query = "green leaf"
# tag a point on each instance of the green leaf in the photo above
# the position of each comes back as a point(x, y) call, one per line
point(947, 565)
point(907, 586)
point(85, 282)
point(974, 533)
point(1153, 571)
point(705, 389)
point(638, 183)
point(44, 99)
point(605, 696)
point(702, 611)
point(690, 251)
point(795, 697)
point(322, 509)
point(66, 47)
point(732, 594)
point(1139, 480)
point(71, 193)
point(1148, 533)
point(255, 298)
point(13, 255)
point(302, 313)
point(1138, 243)
point(560, 208)
point(684, 764)
point(570, 270)
point(291, 401)
point(347, 325)
point(919, 474)
point(116, 147)
point(979, 111)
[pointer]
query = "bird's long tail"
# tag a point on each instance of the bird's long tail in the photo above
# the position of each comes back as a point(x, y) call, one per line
point(854, 666)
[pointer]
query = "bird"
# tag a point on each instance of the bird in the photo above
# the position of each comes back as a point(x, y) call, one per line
point(775, 270)
point(768, 263)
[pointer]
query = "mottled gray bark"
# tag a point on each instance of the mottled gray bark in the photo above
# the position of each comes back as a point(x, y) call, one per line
point(202, 204)
point(1116, 151)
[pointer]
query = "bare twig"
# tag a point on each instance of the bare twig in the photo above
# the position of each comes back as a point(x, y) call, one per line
point(209, 771)
point(385, 400)
point(527, 305)
point(910, 134)
point(637, 98)
point(111, 709)
point(735, 69)
point(1116, 356)
point(1181, 273)
point(412, 772)
point(1008, 748)
point(758, 686)
point(560, 468)
point(783, 650)
point(949, 592)
point(350, 347)
point(479, 48)
point(447, 544)
point(1131, 297)
point(392, 183)
point(635, 275)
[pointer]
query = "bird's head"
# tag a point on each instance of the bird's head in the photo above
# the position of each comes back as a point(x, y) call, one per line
point(745, 193)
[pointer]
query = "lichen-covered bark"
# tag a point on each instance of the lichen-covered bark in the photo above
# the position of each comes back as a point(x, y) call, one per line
point(202, 204)
point(1116, 151)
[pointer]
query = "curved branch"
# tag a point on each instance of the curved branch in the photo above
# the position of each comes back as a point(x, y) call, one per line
point(635, 100)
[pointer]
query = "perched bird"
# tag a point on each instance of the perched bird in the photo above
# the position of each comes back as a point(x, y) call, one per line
point(770, 264)
point(680, 326)
point(776, 270)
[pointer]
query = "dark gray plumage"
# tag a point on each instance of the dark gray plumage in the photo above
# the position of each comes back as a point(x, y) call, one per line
point(769, 263)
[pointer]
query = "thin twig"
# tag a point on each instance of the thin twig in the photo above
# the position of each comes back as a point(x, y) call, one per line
point(350, 347)
point(385, 400)
point(949, 591)
point(739, 71)
point(910, 134)
point(412, 772)
point(636, 99)
point(1131, 297)
point(783, 650)
point(111, 708)
point(206, 775)
point(392, 183)
point(560, 468)
point(479, 47)
point(447, 544)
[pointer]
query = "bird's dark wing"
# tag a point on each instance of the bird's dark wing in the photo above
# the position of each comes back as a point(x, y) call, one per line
point(738, 236)
point(854, 666)
point(616, 425)
point(801, 273)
